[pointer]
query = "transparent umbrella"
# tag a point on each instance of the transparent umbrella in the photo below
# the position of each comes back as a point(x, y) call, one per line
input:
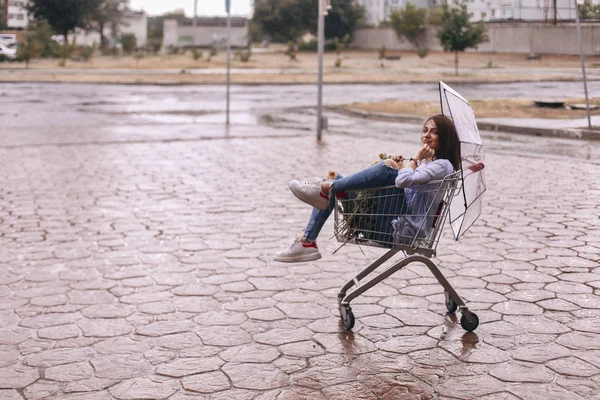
point(466, 207)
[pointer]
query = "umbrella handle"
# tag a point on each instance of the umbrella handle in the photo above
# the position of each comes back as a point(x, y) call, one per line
point(476, 167)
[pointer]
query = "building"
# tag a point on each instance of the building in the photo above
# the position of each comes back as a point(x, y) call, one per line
point(15, 14)
point(135, 22)
point(521, 10)
point(209, 31)
point(378, 11)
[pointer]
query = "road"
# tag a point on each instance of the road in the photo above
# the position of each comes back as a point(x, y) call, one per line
point(72, 113)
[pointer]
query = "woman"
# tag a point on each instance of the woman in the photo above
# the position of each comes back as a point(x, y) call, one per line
point(437, 157)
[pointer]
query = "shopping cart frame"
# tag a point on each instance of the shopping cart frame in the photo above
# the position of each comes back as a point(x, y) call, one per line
point(416, 249)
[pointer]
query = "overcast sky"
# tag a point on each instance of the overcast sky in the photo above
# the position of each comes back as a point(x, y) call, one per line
point(205, 7)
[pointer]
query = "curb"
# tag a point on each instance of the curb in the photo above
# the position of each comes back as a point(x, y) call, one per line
point(573, 133)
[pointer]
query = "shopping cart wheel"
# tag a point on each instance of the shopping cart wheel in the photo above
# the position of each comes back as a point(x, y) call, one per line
point(469, 326)
point(450, 304)
point(347, 317)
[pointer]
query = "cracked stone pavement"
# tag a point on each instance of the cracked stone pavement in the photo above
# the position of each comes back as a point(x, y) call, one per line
point(143, 269)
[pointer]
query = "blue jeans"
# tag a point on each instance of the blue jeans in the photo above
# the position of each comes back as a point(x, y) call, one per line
point(377, 175)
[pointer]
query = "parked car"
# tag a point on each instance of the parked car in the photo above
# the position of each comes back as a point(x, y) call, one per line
point(6, 52)
point(9, 40)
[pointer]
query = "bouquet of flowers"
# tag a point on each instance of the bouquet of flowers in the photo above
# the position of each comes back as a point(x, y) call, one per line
point(360, 211)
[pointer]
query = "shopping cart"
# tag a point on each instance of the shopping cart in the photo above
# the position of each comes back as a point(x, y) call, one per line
point(408, 221)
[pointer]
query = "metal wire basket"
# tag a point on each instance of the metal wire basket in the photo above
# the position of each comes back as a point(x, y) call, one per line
point(408, 220)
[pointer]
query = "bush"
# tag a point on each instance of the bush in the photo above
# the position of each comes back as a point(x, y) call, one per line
point(85, 52)
point(245, 55)
point(28, 50)
point(154, 44)
point(382, 51)
point(65, 52)
point(129, 43)
point(422, 53)
point(292, 49)
point(313, 45)
point(138, 55)
point(196, 54)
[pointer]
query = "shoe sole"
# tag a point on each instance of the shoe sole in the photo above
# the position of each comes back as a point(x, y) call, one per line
point(306, 199)
point(306, 257)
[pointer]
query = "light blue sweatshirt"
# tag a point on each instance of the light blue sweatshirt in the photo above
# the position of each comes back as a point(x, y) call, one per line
point(419, 196)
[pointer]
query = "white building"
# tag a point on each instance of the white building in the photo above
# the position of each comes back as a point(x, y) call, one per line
point(523, 10)
point(378, 11)
point(135, 22)
point(16, 14)
point(208, 32)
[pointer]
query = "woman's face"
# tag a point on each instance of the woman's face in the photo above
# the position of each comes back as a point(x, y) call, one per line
point(430, 136)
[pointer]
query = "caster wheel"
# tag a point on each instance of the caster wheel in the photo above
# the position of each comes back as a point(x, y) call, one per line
point(450, 304)
point(347, 317)
point(469, 326)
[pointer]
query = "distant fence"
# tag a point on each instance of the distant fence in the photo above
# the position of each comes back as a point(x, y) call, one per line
point(504, 37)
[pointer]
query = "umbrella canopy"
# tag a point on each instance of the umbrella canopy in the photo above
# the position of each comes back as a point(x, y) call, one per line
point(466, 207)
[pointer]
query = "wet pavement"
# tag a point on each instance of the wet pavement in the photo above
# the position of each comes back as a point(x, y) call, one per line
point(135, 262)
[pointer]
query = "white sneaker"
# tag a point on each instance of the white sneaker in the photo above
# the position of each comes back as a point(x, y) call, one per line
point(310, 193)
point(298, 252)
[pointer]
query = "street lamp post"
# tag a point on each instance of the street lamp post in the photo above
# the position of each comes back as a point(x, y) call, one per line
point(587, 102)
point(194, 21)
point(324, 5)
point(228, 10)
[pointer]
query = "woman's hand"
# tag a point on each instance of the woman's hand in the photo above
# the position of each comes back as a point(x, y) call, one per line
point(424, 153)
point(398, 159)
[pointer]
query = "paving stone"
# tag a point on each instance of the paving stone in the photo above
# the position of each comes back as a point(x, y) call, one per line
point(121, 366)
point(41, 389)
point(69, 372)
point(226, 336)
point(514, 372)
point(144, 388)
point(571, 366)
point(189, 366)
point(405, 345)
point(17, 377)
point(250, 354)
point(92, 384)
point(209, 382)
point(178, 341)
point(46, 320)
point(53, 357)
point(10, 395)
point(104, 327)
point(279, 336)
point(165, 328)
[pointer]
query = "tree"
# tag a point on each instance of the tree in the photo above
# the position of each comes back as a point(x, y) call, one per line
point(3, 22)
point(109, 13)
point(458, 33)
point(42, 34)
point(155, 27)
point(28, 50)
point(410, 24)
point(285, 20)
point(589, 10)
point(129, 43)
point(343, 19)
point(64, 16)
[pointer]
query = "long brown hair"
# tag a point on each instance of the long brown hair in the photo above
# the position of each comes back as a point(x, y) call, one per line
point(448, 140)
